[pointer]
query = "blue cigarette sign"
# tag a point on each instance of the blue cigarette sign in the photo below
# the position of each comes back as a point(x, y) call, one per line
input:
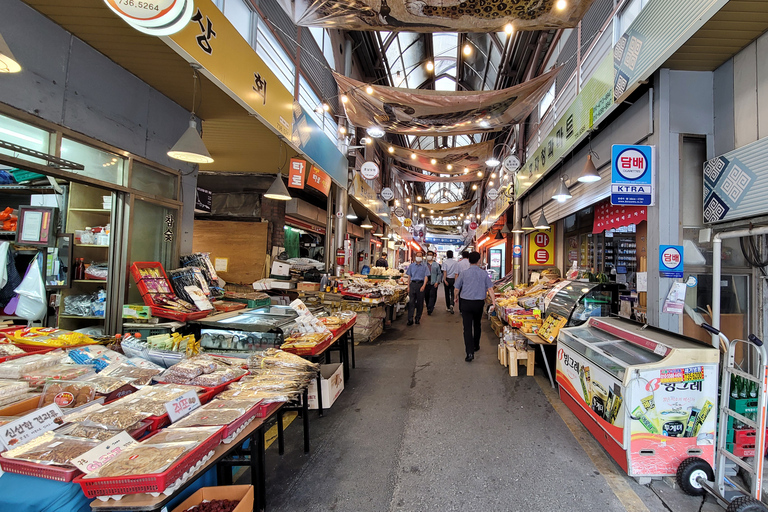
point(632, 175)
point(671, 261)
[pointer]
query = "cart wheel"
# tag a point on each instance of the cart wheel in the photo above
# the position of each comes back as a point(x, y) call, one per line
point(746, 504)
point(688, 473)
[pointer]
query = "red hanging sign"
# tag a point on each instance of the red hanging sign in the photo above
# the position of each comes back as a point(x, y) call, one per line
point(319, 180)
point(608, 216)
point(296, 173)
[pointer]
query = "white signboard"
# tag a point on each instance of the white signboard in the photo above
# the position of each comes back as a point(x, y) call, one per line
point(96, 457)
point(369, 170)
point(387, 194)
point(181, 406)
point(156, 17)
point(400, 211)
point(30, 426)
point(511, 163)
point(492, 194)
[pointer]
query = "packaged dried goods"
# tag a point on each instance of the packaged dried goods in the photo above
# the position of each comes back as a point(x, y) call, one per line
point(138, 376)
point(104, 384)
point(12, 388)
point(67, 394)
point(181, 435)
point(51, 448)
point(8, 349)
point(143, 459)
point(112, 417)
point(78, 430)
point(15, 368)
point(265, 397)
point(203, 417)
point(278, 358)
point(215, 506)
point(97, 356)
point(165, 392)
point(38, 377)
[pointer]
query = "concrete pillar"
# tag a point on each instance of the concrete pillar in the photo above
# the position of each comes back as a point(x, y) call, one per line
point(330, 250)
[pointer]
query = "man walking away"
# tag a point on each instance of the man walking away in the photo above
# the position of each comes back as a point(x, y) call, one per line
point(382, 261)
point(473, 285)
point(435, 276)
point(461, 266)
point(450, 271)
point(418, 273)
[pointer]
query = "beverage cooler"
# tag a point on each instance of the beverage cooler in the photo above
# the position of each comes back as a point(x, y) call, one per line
point(647, 395)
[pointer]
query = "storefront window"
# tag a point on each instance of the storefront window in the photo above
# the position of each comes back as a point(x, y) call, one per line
point(153, 181)
point(99, 165)
point(24, 135)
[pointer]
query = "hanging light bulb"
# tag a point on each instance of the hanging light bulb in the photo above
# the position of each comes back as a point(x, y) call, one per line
point(391, 149)
point(589, 174)
point(369, 89)
point(509, 28)
point(449, 167)
point(493, 175)
point(366, 223)
point(344, 98)
point(562, 194)
point(474, 187)
point(467, 50)
point(410, 207)
point(466, 170)
point(277, 190)
point(413, 156)
point(479, 174)
point(518, 227)
point(430, 65)
point(342, 130)
point(561, 4)
point(418, 198)
point(478, 215)
point(351, 215)
point(490, 183)
point(366, 140)
point(542, 223)
point(527, 224)
point(433, 161)
point(326, 107)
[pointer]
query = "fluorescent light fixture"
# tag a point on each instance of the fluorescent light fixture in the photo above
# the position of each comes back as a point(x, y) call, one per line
point(366, 223)
point(8, 63)
point(21, 136)
point(589, 174)
point(375, 132)
point(190, 147)
point(277, 190)
point(542, 222)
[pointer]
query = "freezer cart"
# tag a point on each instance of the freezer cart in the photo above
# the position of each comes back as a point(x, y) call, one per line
point(648, 396)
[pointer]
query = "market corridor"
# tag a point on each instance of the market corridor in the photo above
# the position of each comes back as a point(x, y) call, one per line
point(419, 429)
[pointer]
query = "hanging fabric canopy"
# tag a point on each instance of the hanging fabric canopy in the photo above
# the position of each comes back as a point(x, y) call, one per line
point(435, 15)
point(442, 230)
point(446, 206)
point(428, 112)
point(471, 157)
point(407, 175)
point(612, 217)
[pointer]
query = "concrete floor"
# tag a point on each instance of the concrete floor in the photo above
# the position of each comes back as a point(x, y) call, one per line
point(419, 429)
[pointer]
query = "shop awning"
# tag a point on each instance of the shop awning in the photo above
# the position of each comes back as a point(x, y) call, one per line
point(608, 216)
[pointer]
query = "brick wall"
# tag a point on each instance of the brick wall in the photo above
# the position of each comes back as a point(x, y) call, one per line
point(274, 212)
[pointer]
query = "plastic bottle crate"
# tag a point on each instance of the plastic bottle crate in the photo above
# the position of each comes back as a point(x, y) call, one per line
point(148, 331)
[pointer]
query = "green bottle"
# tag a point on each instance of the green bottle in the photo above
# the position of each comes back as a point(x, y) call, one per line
point(752, 389)
point(734, 386)
point(743, 388)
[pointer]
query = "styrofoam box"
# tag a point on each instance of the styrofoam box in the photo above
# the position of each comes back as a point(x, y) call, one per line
point(283, 285)
point(280, 268)
point(331, 385)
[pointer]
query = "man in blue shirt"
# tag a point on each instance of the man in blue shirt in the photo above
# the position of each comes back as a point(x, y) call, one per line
point(473, 285)
point(450, 271)
point(461, 266)
point(435, 276)
point(418, 273)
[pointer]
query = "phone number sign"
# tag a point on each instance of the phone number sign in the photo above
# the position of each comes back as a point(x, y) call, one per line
point(632, 175)
point(671, 261)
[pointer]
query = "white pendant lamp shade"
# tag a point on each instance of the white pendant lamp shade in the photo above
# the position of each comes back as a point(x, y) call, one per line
point(492, 162)
point(589, 174)
point(542, 222)
point(562, 194)
point(528, 223)
point(366, 223)
point(277, 190)
point(351, 215)
point(190, 147)
point(518, 228)
point(8, 63)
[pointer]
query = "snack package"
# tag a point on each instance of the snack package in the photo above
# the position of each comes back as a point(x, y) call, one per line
point(52, 449)
point(38, 377)
point(15, 368)
point(104, 384)
point(12, 388)
point(205, 417)
point(111, 417)
point(278, 358)
point(8, 349)
point(67, 394)
point(97, 433)
point(181, 435)
point(245, 403)
point(97, 356)
point(143, 459)
point(138, 376)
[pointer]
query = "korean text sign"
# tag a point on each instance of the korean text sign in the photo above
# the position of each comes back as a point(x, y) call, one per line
point(632, 175)
point(671, 261)
point(541, 247)
point(296, 173)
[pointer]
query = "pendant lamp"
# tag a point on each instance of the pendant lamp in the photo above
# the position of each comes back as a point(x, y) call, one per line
point(542, 222)
point(499, 236)
point(518, 228)
point(351, 215)
point(366, 223)
point(527, 223)
point(505, 229)
point(562, 194)
point(277, 190)
point(589, 174)
point(190, 147)
point(8, 63)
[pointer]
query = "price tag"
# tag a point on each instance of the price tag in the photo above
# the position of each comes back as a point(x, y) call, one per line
point(660, 349)
point(181, 406)
point(96, 457)
point(31, 426)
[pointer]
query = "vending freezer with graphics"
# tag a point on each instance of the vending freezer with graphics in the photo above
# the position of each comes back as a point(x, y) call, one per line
point(648, 396)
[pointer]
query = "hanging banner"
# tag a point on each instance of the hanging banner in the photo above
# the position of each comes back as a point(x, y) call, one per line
point(296, 173)
point(367, 196)
point(470, 157)
point(315, 145)
point(434, 16)
point(407, 175)
point(429, 112)
point(228, 60)
point(632, 175)
point(608, 216)
point(541, 248)
point(319, 180)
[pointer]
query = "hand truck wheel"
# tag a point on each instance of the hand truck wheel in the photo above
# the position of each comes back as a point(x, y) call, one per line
point(689, 472)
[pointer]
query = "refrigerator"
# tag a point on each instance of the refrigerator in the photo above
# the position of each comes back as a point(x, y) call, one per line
point(648, 396)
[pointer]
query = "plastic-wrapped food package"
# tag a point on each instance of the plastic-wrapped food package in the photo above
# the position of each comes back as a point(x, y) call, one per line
point(181, 435)
point(97, 356)
point(96, 433)
point(51, 448)
point(12, 388)
point(39, 376)
point(8, 349)
point(67, 394)
point(138, 376)
point(4, 420)
point(105, 384)
point(79, 305)
point(266, 397)
point(165, 392)
point(15, 368)
point(245, 403)
point(278, 358)
point(112, 417)
point(142, 459)
point(211, 380)
point(138, 362)
point(204, 417)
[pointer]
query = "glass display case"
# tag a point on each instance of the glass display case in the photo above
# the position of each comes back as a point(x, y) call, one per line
point(577, 302)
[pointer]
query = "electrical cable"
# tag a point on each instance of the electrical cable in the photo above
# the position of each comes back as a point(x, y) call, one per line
point(752, 254)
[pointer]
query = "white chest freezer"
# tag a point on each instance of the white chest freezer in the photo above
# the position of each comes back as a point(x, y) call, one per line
point(648, 396)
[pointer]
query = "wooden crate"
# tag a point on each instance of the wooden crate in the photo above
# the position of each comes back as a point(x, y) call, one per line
point(515, 357)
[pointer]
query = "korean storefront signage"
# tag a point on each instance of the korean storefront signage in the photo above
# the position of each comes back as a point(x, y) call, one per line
point(296, 173)
point(671, 261)
point(315, 145)
point(369, 170)
point(319, 180)
point(387, 194)
point(229, 62)
point(632, 175)
point(156, 17)
point(541, 247)
point(366, 195)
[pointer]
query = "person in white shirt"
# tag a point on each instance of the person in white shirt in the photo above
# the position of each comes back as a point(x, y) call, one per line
point(450, 271)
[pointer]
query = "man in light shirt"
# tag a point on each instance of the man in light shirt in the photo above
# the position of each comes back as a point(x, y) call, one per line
point(450, 271)
point(435, 276)
point(461, 266)
point(418, 274)
point(473, 285)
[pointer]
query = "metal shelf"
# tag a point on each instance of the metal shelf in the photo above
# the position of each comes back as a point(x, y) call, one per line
point(83, 317)
point(91, 245)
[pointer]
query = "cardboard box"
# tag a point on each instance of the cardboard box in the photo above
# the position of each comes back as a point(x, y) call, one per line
point(280, 268)
point(306, 286)
point(243, 493)
point(331, 385)
point(136, 311)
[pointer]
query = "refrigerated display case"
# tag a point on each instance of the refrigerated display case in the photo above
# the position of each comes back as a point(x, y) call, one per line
point(577, 302)
point(647, 395)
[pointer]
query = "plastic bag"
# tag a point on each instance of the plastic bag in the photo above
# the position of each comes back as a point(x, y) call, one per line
point(32, 303)
point(4, 263)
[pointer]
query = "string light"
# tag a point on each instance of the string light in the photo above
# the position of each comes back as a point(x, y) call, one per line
point(433, 161)
point(493, 175)
point(450, 167)
point(508, 28)
point(466, 170)
point(344, 98)
point(391, 149)
point(369, 89)
point(490, 183)
point(474, 187)
point(430, 65)
point(479, 174)
point(418, 198)
point(467, 50)
point(413, 156)
point(326, 107)
point(407, 199)
point(342, 130)
point(561, 4)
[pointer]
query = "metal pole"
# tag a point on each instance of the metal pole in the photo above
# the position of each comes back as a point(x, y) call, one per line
point(341, 223)
point(517, 263)
point(330, 253)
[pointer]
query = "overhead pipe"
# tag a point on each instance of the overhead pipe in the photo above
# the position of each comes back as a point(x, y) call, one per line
point(717, 264)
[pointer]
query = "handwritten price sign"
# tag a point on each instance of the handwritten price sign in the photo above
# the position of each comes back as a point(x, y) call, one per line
point(96, 457)
point(31, 426)
point(181, 406)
